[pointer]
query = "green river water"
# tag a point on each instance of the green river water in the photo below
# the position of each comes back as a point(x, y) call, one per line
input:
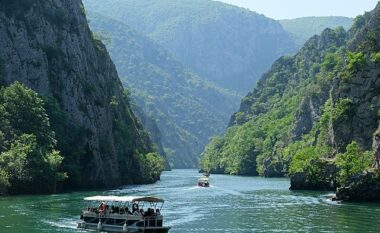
point(231, 204)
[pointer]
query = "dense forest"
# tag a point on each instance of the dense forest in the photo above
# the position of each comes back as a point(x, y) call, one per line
point(312, 115)
point(187, 110)
point(65, 120)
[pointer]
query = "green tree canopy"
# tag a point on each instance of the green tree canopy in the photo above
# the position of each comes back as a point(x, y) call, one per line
point(28, 161)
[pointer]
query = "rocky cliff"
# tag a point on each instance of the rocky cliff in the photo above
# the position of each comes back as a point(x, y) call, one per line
point(48, 46)
point(312, 115)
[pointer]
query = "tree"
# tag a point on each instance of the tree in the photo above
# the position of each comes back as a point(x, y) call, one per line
point(27, 113)
point(353, 161)
point(28, 161)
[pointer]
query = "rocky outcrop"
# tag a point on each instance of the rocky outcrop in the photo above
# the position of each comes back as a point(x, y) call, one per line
point(273, 168)
point(323, 179)
point(362, 187)
point(48, 46)
point(307, 114)
point(361, 119)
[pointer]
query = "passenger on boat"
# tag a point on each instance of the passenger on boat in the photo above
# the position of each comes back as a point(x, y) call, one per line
point(158, 212)
point(142, 212)
point(135, 207)
point(102, 209)
point(148, 212)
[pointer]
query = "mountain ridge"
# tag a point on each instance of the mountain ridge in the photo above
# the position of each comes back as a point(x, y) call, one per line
point(206, 32)
point(187, 109)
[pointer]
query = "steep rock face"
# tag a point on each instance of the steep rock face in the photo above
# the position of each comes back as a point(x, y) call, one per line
point(309, 108)
point(225, 44)
point(307, 114)
point(362, 88)
point(48, 46)
point(155, 134)
point(187, 109)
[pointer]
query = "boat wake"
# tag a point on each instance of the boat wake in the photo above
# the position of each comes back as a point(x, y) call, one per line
point(65, 223)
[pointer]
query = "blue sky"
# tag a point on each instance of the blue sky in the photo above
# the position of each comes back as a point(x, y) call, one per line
point(288, 9)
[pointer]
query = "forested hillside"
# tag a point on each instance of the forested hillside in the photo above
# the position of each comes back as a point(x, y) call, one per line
point(312, 115)
point(225, 44)
point(303, 28)
point(70, 123)
point(186, 110)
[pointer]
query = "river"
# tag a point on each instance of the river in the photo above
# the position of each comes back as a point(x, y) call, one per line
point(231, 204)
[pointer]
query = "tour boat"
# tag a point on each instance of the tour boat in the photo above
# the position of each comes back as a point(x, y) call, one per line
point(203, 182)
point(123, 214)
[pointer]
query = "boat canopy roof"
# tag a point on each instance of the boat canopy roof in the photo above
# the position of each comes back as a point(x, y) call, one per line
point(123, 198)
point(203, 179)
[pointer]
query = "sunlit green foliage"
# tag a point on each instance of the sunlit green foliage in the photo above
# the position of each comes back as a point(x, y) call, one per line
point(332, 62)
point(151, 166)
point(28, 157)
point(353, 161)
point(375, 57)
point(263, 133)
point(356, 61)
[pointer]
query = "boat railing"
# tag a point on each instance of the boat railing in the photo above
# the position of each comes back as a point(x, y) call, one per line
point(152, 221)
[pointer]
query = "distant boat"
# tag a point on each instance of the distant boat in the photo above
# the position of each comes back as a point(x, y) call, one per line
point(203, 182)
point(122, 214)
point(206, 174)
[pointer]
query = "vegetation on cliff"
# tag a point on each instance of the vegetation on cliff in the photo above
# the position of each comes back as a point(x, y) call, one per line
point(312, 114)
point(29, 159)
point(81, 109)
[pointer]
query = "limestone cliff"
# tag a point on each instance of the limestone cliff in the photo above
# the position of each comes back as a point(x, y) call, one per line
point(307, 109)
point(47, 45)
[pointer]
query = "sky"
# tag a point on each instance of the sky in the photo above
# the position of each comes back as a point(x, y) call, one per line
point(289, 9)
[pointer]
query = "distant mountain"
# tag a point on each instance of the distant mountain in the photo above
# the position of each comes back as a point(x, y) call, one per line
point(304, 28)
point(225, 44)
point(187, 110)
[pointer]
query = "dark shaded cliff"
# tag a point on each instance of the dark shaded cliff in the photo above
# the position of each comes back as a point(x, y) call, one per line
point(48, 46)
